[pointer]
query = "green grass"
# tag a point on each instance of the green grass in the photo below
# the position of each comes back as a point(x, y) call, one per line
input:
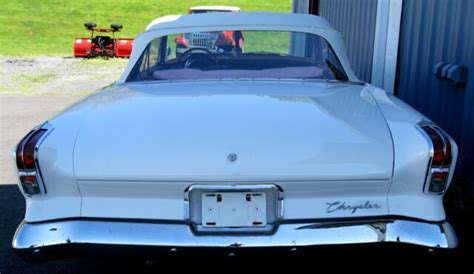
point(274, 41)
point(48, 27)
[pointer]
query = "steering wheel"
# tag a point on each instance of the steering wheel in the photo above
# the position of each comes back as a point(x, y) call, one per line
point(202, 60)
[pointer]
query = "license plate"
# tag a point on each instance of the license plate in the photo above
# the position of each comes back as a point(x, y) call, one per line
point(234, 209)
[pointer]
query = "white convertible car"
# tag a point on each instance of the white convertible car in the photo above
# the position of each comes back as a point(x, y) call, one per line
point(269, 143)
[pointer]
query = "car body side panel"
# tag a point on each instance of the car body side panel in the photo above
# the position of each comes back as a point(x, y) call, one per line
point(62, 198)
point(412, 155)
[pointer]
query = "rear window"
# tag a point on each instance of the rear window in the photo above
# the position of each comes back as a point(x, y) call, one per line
point(238, 54)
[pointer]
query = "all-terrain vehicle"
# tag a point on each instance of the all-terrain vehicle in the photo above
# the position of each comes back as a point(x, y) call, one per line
point(103, 45)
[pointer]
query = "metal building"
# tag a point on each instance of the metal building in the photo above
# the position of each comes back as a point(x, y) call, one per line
point(422, 51)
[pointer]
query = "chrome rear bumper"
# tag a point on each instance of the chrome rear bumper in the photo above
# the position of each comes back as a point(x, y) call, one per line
point(32, 239)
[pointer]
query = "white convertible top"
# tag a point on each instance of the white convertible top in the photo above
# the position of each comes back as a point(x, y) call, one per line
point(217, 21)
point(238, 18)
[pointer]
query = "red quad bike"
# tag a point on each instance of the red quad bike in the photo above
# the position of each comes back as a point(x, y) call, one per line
point(103, 45)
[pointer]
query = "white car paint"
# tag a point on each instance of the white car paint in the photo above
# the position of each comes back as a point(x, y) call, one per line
point(132, 150)
point(202, 128)
point(355, 164)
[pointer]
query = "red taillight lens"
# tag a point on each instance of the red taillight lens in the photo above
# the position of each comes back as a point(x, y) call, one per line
point(29, 149)
point(441, 146)
point(438, 171)
point(19, 153)
point(25, 152)
point(26, 161)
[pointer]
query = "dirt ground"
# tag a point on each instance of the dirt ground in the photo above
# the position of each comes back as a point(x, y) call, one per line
point(57, 75)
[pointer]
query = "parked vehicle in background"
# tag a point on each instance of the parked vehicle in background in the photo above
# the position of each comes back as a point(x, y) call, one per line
point(103, 45)
point(277, 146)
point(214, 41)
point(207, 9)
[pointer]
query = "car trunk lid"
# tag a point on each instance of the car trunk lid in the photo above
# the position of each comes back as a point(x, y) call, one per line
point(234, 131)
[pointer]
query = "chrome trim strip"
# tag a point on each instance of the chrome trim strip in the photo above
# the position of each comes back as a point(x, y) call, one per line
point(49, 128)
point(34, 237)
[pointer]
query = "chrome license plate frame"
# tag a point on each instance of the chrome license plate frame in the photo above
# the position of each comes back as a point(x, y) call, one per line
point(194, 206)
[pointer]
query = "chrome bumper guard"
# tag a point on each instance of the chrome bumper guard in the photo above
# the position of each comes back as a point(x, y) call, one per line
point(31, 238)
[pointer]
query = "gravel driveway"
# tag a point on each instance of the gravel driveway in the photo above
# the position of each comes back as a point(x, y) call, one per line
point(57, 75)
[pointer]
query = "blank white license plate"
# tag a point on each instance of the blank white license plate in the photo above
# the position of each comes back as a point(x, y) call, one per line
point(234, 209)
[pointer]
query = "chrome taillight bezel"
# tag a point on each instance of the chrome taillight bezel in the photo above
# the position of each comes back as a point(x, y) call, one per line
point(24, 170)
point(432, 169)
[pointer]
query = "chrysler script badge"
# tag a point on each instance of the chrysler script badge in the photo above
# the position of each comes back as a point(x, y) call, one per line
point(342, 206)
point(232, 157)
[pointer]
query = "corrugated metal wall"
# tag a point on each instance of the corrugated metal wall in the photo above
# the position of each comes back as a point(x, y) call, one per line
point(358, 31)
point(432, 32)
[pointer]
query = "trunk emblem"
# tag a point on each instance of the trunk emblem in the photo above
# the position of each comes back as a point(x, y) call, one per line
point(232, 157)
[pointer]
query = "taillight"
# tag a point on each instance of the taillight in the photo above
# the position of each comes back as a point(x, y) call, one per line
point(26, 161)
point(441, 159)
point(441, 146)
point(29, 182)
point(438, 181)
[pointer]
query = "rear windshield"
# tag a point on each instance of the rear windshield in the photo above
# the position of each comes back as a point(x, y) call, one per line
point(238, 54)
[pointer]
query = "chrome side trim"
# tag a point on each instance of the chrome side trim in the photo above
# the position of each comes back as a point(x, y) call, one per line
point(49, 128)
point(34, 237)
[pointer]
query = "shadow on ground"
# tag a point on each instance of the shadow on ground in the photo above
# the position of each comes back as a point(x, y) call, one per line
point(12, 207)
